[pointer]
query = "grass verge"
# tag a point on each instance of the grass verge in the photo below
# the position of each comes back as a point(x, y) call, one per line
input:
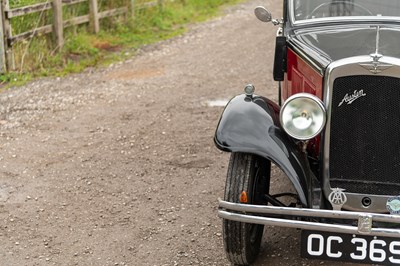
point(119, 37)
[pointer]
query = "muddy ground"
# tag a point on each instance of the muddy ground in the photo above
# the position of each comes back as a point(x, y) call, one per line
point(117, 166)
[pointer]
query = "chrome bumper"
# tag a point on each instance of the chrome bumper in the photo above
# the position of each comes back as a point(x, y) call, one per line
point(256, 214)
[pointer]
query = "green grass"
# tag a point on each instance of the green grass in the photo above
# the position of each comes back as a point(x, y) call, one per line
point(119, 35)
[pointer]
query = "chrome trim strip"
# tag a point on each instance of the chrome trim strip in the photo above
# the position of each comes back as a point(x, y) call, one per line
point(253, 214)
point(378, 38)
point(352, 20)
point(349, 67)
point(332, 20)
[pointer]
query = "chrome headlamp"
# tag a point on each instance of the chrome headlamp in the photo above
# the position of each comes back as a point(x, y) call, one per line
point(303, 116)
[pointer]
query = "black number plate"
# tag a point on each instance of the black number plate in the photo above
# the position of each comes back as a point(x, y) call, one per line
point(354, 248)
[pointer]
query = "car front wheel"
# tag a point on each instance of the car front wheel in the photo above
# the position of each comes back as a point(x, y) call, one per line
point(247, 175)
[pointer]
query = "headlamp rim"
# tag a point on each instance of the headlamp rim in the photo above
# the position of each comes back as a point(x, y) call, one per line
point(310, 97)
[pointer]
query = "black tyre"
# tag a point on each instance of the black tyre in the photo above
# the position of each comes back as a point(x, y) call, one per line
point(249, 173)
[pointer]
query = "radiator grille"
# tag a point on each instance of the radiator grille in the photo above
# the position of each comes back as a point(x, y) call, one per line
point(365, 135)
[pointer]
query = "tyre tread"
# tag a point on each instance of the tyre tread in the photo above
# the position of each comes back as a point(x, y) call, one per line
point(236, 234)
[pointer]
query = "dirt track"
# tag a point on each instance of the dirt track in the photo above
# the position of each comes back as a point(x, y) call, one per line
point(118, 167)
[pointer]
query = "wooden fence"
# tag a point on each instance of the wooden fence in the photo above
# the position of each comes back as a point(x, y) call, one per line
point(58, 25)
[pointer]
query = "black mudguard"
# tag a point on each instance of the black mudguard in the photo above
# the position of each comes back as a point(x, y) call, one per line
point(251, 125)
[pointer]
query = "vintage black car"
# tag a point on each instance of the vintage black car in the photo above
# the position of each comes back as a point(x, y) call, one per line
point(335, 134)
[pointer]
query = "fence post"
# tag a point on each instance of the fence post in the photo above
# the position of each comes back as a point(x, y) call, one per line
point(94, 16)
point(3, 41)
point(58, 24)
point(9, 55)
point(161, 5)
point(132, 8)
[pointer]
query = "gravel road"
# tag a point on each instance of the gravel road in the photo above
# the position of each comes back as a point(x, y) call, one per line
point(117, 166)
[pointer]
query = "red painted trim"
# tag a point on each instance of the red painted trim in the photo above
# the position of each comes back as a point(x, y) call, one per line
point(301, 77)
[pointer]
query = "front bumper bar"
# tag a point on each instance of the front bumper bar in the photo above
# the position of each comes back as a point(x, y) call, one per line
point(257, 214)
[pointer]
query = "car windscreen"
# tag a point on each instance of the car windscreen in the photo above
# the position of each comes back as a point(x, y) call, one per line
point(316, 9)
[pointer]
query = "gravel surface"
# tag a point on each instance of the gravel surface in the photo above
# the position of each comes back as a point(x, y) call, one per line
point(117, 166)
